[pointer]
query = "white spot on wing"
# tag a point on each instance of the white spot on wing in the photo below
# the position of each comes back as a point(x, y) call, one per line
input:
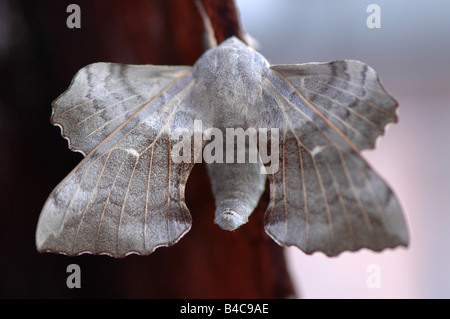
point(132, 152)
point(316, 150)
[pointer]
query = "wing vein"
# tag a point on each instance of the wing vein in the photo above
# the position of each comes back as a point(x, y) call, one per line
point(144, 106)
point(355, 193)
point(341, 201)
point(323, 117)
point(362, 117)
point(363, 86)
point(284, 187)
point(344, 123)
point(373, 195)
point(169, 159)
point(147, 195)
point(305, 197)
point(325, 200)
point(70, 204)
point(375, 106)
point(106, 204)
point(124, 202)
point(91, 197)
point(104, 110)
point(93, 99)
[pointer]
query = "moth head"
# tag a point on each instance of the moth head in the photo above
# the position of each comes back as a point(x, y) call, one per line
point(231, 71)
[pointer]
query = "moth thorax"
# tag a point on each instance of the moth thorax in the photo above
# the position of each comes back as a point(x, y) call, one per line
point(231, 76)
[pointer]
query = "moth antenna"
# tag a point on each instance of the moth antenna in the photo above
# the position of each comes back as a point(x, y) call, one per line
point(210, 35)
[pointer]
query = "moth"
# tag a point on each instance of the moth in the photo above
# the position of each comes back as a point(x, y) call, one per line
point(127, 195)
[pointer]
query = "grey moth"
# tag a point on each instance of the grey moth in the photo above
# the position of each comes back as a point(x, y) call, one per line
point(307, 124)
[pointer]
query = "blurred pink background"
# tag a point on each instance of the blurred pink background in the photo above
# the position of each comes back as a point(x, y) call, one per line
point(410, 52)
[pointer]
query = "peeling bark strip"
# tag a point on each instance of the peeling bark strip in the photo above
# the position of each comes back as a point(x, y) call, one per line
point(224, 17)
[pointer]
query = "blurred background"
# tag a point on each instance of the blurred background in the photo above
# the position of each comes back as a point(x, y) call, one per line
point(411, 54)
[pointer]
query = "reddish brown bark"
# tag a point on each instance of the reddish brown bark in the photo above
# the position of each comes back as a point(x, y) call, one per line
point(208, 262)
